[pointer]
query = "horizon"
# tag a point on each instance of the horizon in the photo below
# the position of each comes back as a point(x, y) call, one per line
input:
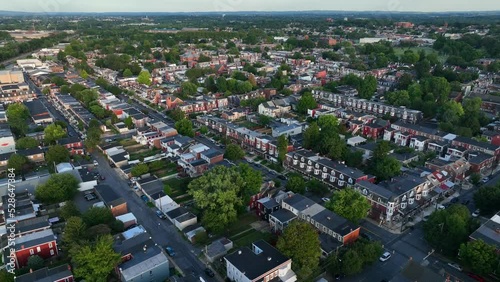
point(260, 6)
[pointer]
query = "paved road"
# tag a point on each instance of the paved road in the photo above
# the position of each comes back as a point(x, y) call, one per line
point(163, 234)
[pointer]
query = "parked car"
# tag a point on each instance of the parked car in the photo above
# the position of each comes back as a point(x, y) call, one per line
point(160, 214)
point(133, 179)
point(209, 272)
point(465, 202)
point(486, 179)
point(385, 256)
point(454, 265)
point(476, 213)
point(90, 197)
point(454, 200)
point(282, 177)
point(441, 207)
point(325, 199)
point(170, 251)
point(426, 218)
point(96, 163)
point(145, 198)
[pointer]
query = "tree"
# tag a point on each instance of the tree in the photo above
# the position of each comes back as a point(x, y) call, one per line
point(127, 73)
point(128, 122)
point(17, 162)
point(386, 168)
point(311, 136)
point(264, 120)
point(144, 78)
point(300, 242)
point(139, 169)
point(368, 87)
point(69, 210)
point(188, 88)
point(98, 230)
point(252, 182)
point(98, 215)
point(252, 80)
point(349, 204)
point(74, 232)
point(446, 229)
point(328, 122)
point(53, 132)
point(58, 188)
point(399, 98)
point(57, 154)
point(222, 84)
point(317, 187)
point(17, 114)
point(94, 262)
point(234, 152)
point(282, 148)
point(479, 256)
point(352, 262)
point(84, 74)
point(93, 135)
point(487, 199)
point(296, 184)
point(204, 129)
point(216, 193)
point(306, 102)
point(177, 114)
point(6, 276)
point(185, 127)
point(46, 90)
point(452, 112)
point(35, 262)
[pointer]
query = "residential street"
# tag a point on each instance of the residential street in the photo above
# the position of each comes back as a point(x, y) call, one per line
point(165, 233)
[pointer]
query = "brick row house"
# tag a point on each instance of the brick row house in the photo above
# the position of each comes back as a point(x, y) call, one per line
point(250, 140)
point(73, 144)
point(333, 174)
point(362, 105)
point(203, 106)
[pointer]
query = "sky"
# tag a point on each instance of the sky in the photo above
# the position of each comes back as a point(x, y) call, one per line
point(53, 6)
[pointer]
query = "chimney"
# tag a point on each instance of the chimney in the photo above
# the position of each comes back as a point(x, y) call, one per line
point(268, 258)
point(145, 248)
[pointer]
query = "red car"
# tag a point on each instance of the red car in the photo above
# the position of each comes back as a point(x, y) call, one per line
point(476, 277)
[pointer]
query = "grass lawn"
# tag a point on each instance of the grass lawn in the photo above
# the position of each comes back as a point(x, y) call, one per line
point(242, 224)
point(251, 237)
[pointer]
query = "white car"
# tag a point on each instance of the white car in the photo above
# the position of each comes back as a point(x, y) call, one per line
point(441, 207)
point(476, 213)
point(96, 163)
point(385, 256)
point(325, 199)
point(456, 266)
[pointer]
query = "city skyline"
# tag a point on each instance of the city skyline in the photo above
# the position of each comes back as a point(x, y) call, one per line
point(90, 6)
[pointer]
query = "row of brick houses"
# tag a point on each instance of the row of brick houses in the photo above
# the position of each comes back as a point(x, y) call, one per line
point(363, 105)
point(250, 140)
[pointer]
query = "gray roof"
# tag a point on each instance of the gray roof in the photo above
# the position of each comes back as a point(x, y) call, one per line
point(267, 260)
point(46, 275)
point(283, 215)
point(108, 196)
point(334, 222)
point(299, 202)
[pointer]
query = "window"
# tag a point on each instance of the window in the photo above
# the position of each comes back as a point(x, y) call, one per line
point(50, 245)
point(32, 252)
point(51, 252)
point(403, 205)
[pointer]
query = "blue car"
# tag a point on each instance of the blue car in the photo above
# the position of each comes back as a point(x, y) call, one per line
point(145, 198)
point(170, 251)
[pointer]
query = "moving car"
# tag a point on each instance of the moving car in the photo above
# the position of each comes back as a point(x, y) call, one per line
point(209, 272)
point(456, 266)
point(160, 214)
point(170, 251)
point(385, 256)
point(476, 213)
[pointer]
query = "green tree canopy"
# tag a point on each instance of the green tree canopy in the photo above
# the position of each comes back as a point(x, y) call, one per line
point(58, 188)
point(479, 256)
point(349, 204)
point(139, 169)
point(75, 232)
point(487, 199)
point(234, 152)
point(17, 114)
point(296, 184)
point(300, 242)
point(177, 114)
point(311, 136)
point(57, 154)
point(53, 132)
point(217, 194)
point(306, 102)
point(127, 73)
point(94, 262)
point(368, 87)
point(144, 78)
point(18, 162)
point(98, 215)
point(282, 148)
point(69, 210)
point(185, 127)
point(35, 262)
point(188, 88)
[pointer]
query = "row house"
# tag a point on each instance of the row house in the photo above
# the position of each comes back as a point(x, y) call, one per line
point(42, 244)
point(473, 145)
point(457, 169)
point(480, 162)
point(233, 115)
point(363, 105)
point(73, 144)
point(456, 152)
point(402, 138)
point(440, 147)
point(328, 223)
point(397, 199)
point(419, 130)
point(375, 129)
point(35, 155)
point(419, 143)
point(333, 174)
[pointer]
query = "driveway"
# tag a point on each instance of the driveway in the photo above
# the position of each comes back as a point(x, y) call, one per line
point(161, 231)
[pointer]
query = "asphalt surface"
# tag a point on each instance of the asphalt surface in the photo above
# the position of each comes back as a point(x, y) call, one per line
point(163, 232)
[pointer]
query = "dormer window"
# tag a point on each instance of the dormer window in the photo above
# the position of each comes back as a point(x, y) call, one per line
point(365, 192)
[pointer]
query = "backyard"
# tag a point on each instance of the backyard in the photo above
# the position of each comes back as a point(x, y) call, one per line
point(177, 188)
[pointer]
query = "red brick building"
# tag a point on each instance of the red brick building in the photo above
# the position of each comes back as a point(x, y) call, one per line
point(42, 244)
